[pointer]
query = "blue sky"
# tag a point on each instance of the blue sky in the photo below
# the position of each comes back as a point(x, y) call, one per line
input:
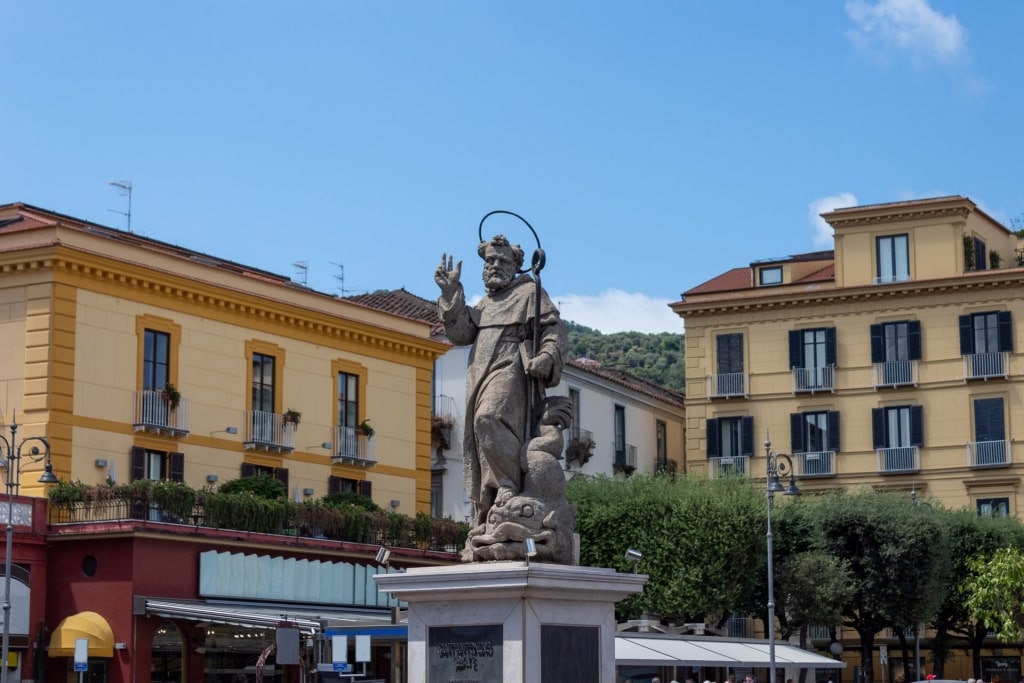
point(652, 145)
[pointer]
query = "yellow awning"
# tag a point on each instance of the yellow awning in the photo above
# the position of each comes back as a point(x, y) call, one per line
point(82, 625)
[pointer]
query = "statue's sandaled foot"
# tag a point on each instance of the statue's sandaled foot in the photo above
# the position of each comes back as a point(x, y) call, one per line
point(505, 493)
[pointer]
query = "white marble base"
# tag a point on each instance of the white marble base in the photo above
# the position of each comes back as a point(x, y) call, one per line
point(522, 599)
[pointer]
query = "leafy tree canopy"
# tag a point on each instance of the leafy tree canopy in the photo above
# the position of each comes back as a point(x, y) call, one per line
point(658, 358)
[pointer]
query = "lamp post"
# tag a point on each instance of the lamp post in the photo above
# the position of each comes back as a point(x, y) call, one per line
point(12, 462)
point(778, 464)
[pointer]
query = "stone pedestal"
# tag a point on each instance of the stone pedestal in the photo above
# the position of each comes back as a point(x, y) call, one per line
point(510, 622)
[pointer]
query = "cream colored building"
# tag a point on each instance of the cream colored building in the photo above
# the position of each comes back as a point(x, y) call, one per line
point(95, 323)
point(890, 362)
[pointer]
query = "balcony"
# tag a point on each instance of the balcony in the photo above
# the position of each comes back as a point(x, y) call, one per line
point(442, 419)
point(353, 447)
point(895, 373)
point(890, 278)
point(268, 432)
point(153, 413)
point(727, 385)
point(816, 464)
point(579, 446)
point(814, 379)
point(739, 626)
point(988, 453)
point(987, 365)
point(899, 460)
point(728, 466)
point(624, 459)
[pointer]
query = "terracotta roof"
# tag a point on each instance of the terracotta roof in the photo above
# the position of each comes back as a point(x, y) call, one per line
point(35, 217)
point(403, 303)
point(633, 382)
point(729, 281)
point(823, 275)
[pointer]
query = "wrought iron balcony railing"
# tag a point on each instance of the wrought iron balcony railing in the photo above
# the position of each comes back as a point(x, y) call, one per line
point(353, 447)
point(269, 431)
point(988, 453)
point(153, 413)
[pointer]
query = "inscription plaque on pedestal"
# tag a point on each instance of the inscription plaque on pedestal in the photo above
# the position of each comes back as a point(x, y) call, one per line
point(464, 654)
point(569, 653)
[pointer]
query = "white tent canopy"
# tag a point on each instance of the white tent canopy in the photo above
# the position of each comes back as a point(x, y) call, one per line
point(662, 650)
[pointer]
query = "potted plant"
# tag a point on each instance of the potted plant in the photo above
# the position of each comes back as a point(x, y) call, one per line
point(365, 429)
point(441, 429)
point(292, 417)
point(171, 395)
point(580, 450)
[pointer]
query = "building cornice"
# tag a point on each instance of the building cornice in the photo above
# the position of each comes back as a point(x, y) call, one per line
point(989, 279)
point(838, 220)
point(180, 292)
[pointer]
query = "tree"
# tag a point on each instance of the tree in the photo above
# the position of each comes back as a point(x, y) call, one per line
point(699, 540)
point(896, 555)
point(995, 593)
point(812, 588)
point(969, 537)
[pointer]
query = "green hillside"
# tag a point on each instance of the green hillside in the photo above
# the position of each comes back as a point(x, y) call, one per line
point(658, 358)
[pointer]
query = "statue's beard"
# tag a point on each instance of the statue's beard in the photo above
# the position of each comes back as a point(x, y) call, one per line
point(494, 281)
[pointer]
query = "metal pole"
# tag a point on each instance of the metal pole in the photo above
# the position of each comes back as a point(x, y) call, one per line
point(917, 653)
point(12, 473)
point(771, 586)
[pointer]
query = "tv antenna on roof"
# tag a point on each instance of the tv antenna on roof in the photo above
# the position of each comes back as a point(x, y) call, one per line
point(341, 280)
point(126, 189)
point(302, 268)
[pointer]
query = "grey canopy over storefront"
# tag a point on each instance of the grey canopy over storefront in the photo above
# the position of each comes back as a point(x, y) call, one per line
point(662, 650)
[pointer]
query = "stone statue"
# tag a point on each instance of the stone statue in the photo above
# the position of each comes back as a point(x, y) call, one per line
point(513, 435)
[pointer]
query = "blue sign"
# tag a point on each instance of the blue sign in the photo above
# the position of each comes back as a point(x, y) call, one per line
point(81, 666)
point(340, 666)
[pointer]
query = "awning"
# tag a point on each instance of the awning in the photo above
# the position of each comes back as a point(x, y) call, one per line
point(635, 649)
point(307, 618)
point(88, 625)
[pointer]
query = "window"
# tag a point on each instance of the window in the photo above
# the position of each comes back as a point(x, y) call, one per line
point(815, 441)
point(437, 494)
point(812, 357)
point(730, 438)
point(893, 258)
point(158, 465)
point(574, 398)
point(994, 507)
point(348, 413)
point(279, 473)
point(156, 360)
point(989, 447)
point(894, 348)
point(898, 433)
point(619, 424)
point(344, 485)
point(661, 445)
point(979, 254)
point(729, 379)
point(263, 376)
point(771, 275)
point(984, 338)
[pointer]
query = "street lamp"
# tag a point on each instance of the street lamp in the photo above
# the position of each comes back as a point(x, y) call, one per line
point(778, 463)
point(13, 464)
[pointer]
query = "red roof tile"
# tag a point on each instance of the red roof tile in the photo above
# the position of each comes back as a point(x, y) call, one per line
point(729, 281)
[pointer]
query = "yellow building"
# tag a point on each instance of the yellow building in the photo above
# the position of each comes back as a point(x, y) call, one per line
point(889, 362)
point(136, 358)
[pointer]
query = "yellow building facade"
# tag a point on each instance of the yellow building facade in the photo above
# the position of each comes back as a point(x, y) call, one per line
point(137, 358)
point(891, 362)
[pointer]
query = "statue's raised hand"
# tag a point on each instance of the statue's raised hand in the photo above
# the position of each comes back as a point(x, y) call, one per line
point(447, 277)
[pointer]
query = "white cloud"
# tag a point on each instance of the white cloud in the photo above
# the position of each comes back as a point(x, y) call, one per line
point(822, 230)
point(614, 310)
point(907, 26)
point(617, 311)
